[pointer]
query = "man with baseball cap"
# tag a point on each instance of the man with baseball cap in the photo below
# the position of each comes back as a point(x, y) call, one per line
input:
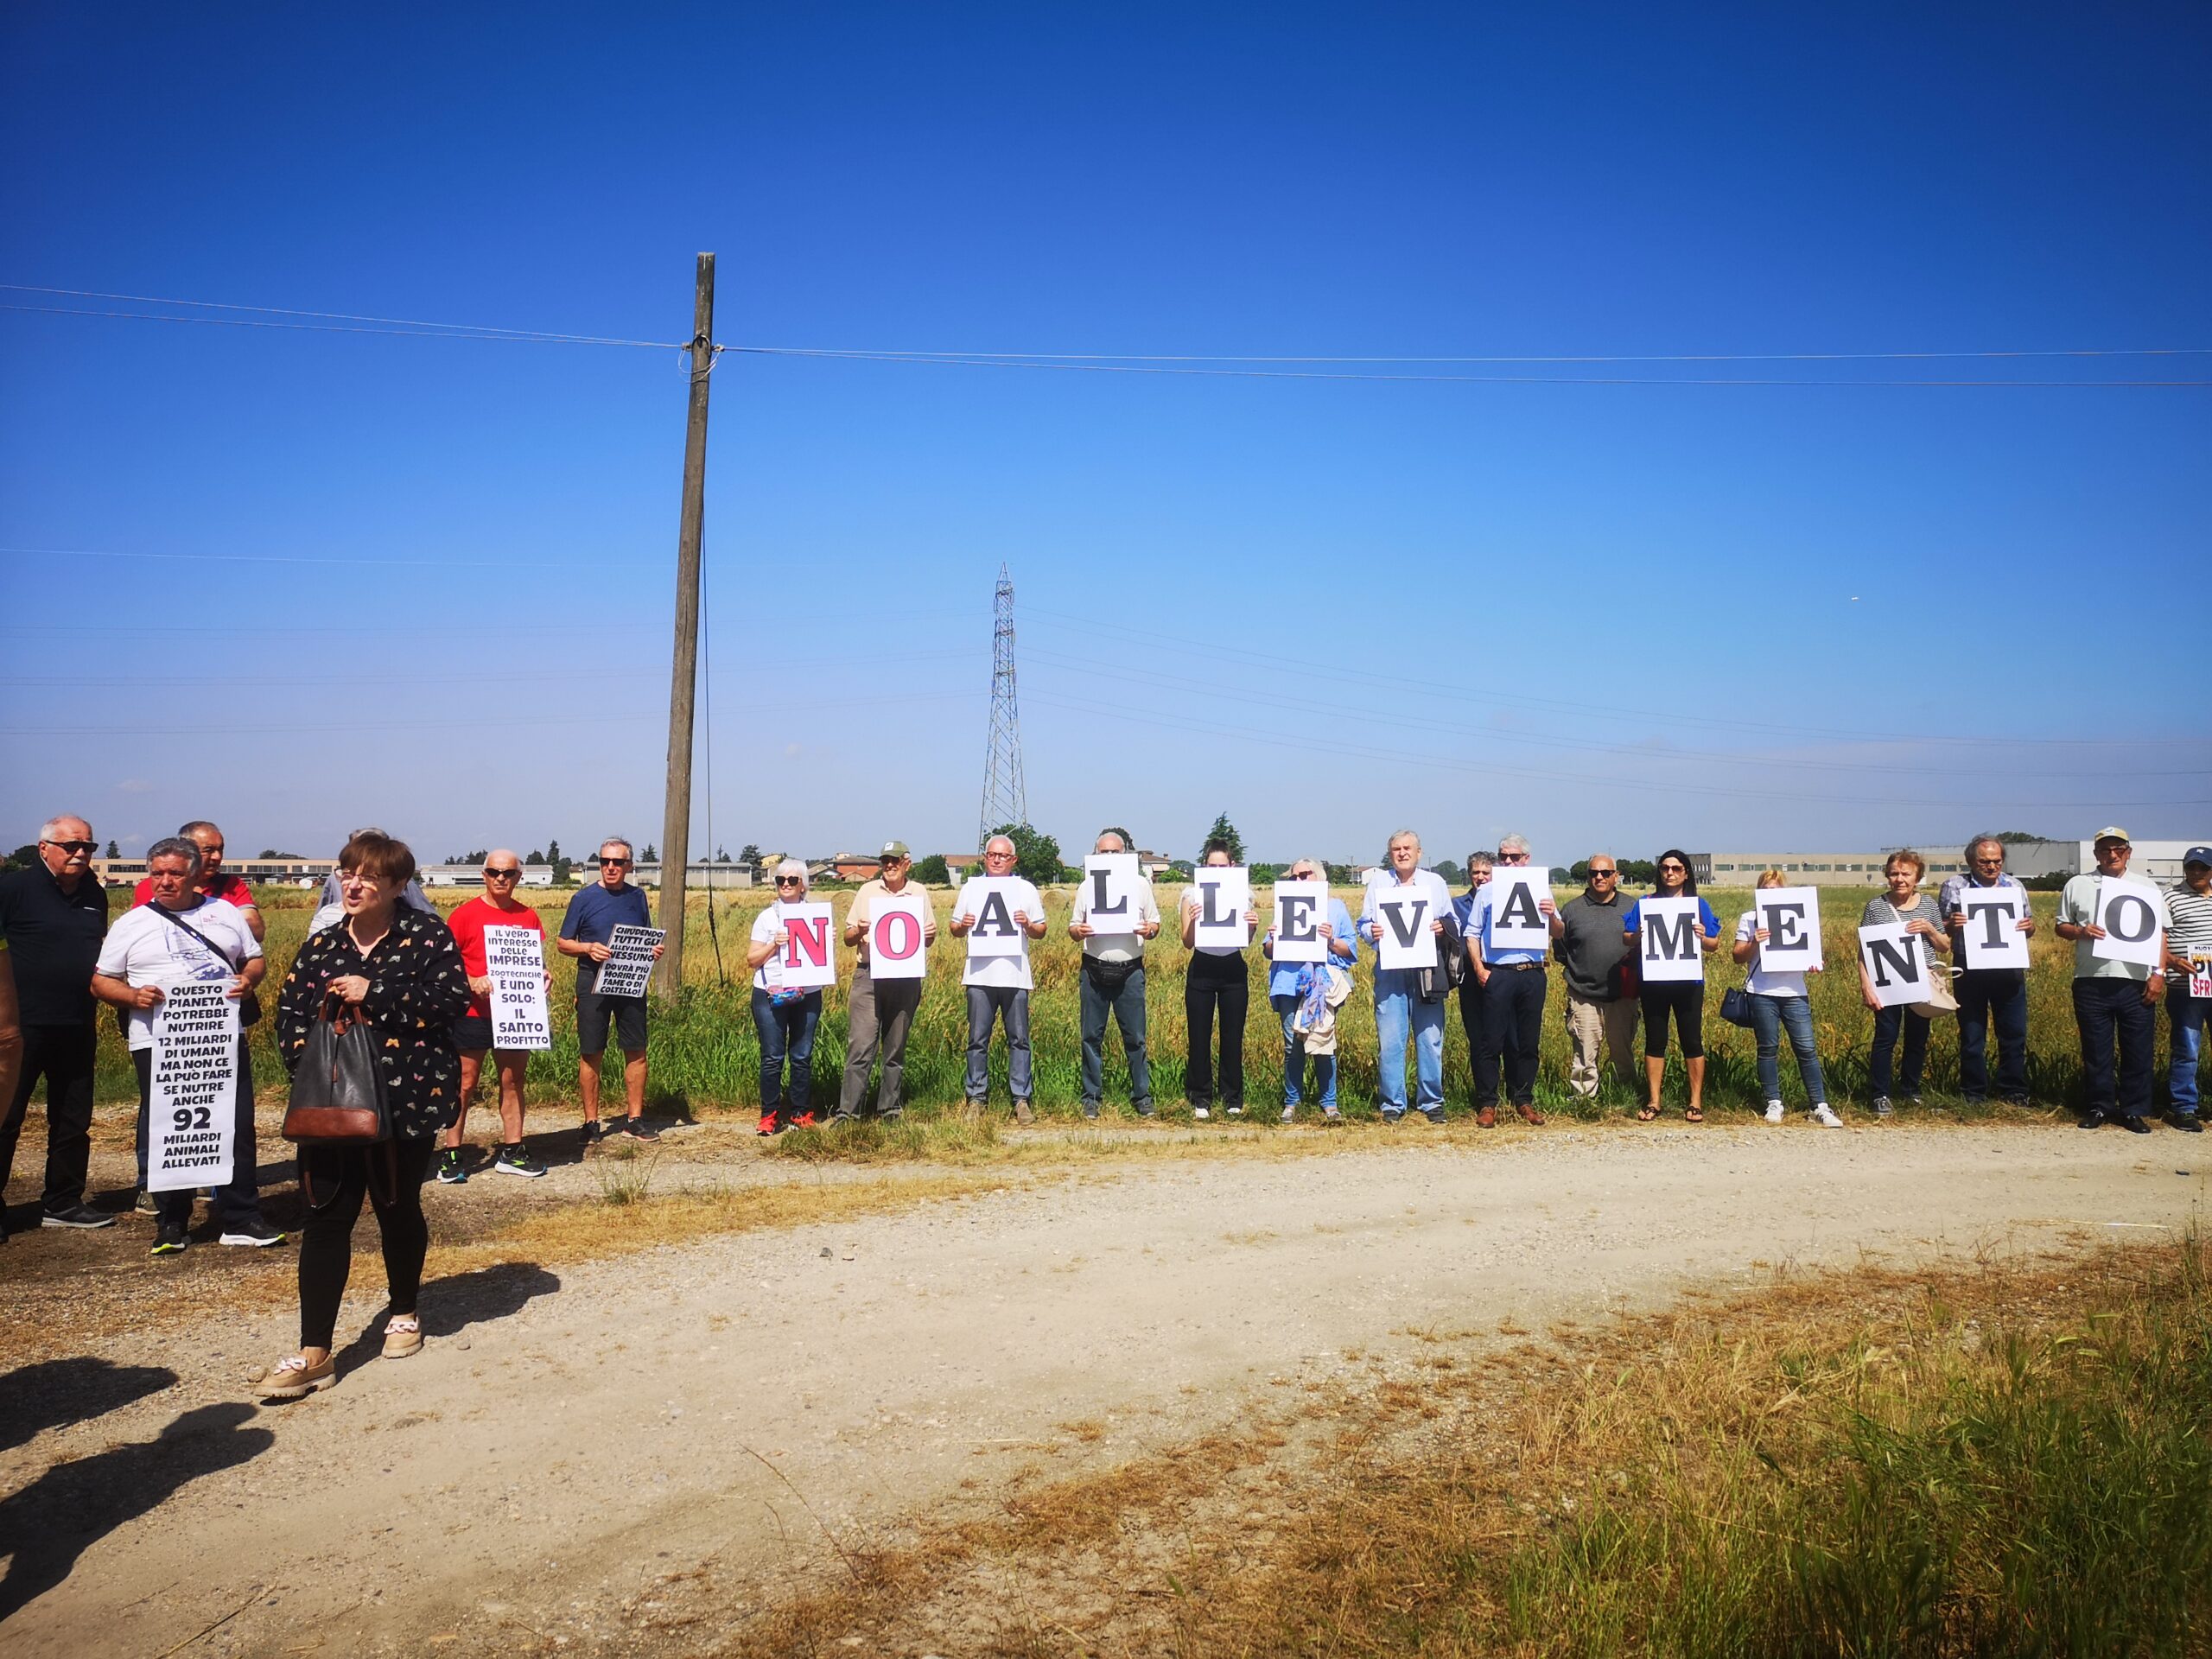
point(2189, 950)
point(880, 1015)
point(2112, 1000)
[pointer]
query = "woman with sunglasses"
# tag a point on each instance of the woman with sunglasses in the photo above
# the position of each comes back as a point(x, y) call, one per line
point(784, 1017)
point(1684, 999)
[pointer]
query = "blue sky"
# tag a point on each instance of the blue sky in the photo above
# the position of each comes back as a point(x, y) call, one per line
point(1627, 616)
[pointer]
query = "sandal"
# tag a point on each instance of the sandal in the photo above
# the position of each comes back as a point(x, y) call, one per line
point(293, 1378)
point(1692, 1114)
point(403, 1335)
point(1647, 1114)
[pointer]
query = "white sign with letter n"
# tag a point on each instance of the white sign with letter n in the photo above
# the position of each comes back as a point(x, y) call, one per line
point(810, 957)
point(1673, 943)
point(1896, 964)
point(1301, 909)
point(1792, 917)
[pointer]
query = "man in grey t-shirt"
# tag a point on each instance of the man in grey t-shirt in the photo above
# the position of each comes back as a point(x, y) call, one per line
point(1113, 978)
point(1594, 951)
point(2115, 1003)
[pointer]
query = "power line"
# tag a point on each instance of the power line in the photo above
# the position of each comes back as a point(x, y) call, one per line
point(1585, 357)
point(1735, 382)
point(459, 330)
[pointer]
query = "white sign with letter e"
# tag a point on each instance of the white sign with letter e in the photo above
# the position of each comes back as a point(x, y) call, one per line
point(514, 959)
point(2129, 912)
point(192, 1107)
point(809, 955)
point(896, 923)
point(1223, 892)
point(626, 972)
point(1792, 917)
point(1403, 938)
point(1517, 920)
point(1896, 964)
point(1301, 909)
point(1992, 936)
point(1671, 940)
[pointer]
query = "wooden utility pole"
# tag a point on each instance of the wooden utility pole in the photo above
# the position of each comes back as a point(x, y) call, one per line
point(683, 673)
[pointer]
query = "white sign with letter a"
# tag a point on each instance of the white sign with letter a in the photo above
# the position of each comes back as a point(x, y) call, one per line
point(1896, 964)
point(1992, 936)
point(2129, 913)
point(1517, 920)
point(1672, 942)
point(1792, 917)
point(1403, 938)
point(1115, 888)
point(896, 922)
point(991, 900)
point(514, 961)
point(1224, 893)
point(809, 957)
point(1302, 907)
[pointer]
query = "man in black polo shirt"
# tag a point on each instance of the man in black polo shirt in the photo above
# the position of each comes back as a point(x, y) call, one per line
point(54, 915)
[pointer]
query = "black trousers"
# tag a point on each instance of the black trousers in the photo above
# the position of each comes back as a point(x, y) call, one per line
point(1213, 984)
point(332, 1182)
point(1513, 1028)
point(63, 1056)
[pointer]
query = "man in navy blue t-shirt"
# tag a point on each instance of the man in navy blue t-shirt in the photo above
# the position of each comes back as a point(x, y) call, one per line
point(592, 917)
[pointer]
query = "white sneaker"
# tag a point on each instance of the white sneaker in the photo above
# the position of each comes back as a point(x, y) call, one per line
point(1774, 1111)
point(1825, 1118)
point(1290, 1114)
point(1200, 1113)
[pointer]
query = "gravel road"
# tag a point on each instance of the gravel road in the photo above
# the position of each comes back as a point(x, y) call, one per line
point(568, 1441)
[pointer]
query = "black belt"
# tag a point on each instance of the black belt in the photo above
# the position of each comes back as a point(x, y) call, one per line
point(1514, 967)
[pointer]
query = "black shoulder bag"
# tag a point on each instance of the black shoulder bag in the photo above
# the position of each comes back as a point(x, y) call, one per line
point(250, 1004)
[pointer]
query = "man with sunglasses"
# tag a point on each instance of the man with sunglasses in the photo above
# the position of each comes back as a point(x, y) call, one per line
point(54, 918)
point(586, 934)
point(472, 1033)
point(1594, 953)
point(1987, 996)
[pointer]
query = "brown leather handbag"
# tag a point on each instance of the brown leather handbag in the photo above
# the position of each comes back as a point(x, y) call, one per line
point(337, 1096)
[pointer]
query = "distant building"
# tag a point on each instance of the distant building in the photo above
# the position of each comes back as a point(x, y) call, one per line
point(702, 873)
point(1154, 865)
point(2025, 859)
point(471, 875)
point(854, 866)
point(961, 866)
point(274, 872)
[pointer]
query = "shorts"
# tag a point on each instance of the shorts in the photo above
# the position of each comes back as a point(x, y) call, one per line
point(593, 1013)
point(472, 1034)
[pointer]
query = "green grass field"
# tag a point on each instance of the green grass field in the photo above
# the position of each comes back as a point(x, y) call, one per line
point(704, 1053)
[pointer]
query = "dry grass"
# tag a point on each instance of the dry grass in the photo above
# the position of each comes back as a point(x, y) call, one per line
point(1685, 1483)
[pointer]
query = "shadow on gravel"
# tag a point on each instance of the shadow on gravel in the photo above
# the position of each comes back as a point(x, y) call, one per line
point(451, 1305)
point(72, 1506)
point(34, 1398)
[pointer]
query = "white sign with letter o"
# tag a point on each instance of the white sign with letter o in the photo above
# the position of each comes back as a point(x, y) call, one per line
point(896, 922)
point(2133, 918)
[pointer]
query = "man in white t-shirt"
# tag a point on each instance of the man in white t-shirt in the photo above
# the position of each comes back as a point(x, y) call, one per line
point(1004, 906)
point(177, 936)
point(1113, 982)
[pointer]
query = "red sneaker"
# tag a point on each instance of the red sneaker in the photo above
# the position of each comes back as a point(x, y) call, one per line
point(768, 1124)
point(803, 1121)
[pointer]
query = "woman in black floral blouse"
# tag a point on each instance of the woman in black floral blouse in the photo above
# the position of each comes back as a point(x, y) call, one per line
point(399, 971)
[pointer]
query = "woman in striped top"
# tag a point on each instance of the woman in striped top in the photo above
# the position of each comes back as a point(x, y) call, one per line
point(2189, 948)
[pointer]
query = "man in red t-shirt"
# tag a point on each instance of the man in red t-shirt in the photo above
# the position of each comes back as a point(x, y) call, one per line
point(210, 882)
point(472, 1032)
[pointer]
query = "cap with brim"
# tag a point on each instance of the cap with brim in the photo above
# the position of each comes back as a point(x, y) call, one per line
point(2113, 832)
point(895, 849)
point(2198, 855)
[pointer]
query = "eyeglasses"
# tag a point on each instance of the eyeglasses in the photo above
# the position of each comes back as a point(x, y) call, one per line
point(1594, 875)
point(791, 881)
point(74, 846)
point(1999, 860)
point(1513, 858)
point(1669, 869)
point(215, 851)
point(619, 863)
point(500, 875)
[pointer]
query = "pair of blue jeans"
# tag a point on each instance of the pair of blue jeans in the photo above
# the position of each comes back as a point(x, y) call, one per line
point(1887, 1025)
point(1399, 1012)
point(1295, 1059)
point(786, 1032)
point(2185, 1018)
point(1771, 1017)
point(985, 1003)
point(1126, 1004)
point(2111, 1014)
point(1998, 997)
